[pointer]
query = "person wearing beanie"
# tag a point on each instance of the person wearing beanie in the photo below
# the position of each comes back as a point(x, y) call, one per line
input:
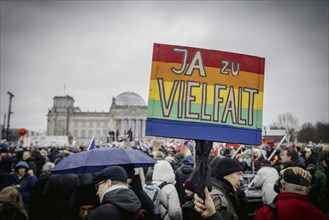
point(117, 200)
point(23, 181)
point(265, 179)
point(293, 201)
point(226, 181)
point(213, 163)
point(181, 175)
point(188, 207)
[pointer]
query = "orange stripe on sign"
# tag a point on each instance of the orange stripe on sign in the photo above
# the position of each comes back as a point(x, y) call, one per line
point(245, 79)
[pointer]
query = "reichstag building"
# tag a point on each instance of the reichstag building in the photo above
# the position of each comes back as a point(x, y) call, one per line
point(127, 111)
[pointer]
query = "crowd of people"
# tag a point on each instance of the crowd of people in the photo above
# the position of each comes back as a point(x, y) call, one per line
point(293, 185)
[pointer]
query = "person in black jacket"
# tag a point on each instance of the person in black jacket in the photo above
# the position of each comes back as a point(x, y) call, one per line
point(135, 184)
point(206, 207)
point(57, 194)
point(290, 158)
point(83, 202)
point(181, 175)
point(228, 178)
point(117, 200)
point(11, 205)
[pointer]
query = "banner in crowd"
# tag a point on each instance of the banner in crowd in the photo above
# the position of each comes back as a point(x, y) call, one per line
point(205, 94)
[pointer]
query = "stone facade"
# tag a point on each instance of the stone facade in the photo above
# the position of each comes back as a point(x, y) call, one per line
point(128, 110)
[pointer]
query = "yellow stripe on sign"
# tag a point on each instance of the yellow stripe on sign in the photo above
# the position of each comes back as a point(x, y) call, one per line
point(247, 79)
point(196, 91)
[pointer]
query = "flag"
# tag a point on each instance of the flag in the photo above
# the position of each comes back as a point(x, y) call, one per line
point(91, 144)
point(187, 152)
point(185, 148)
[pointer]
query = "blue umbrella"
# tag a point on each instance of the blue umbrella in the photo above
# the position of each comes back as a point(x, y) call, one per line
point(95, 160)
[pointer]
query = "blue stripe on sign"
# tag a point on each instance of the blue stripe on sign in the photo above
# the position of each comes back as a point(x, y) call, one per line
point(202, 131)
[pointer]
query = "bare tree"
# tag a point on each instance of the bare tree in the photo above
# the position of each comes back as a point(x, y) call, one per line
point(286, 121)
point(318, 133)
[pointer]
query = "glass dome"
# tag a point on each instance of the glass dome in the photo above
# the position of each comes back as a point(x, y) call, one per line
point(129, 99)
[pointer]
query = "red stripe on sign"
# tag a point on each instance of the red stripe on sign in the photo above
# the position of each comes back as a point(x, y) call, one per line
point(211, 58)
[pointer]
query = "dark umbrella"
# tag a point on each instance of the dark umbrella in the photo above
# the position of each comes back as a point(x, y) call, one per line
point(95, 160)
point(201, 176)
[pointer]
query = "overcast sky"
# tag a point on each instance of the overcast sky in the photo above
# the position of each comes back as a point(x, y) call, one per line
point(99, 49)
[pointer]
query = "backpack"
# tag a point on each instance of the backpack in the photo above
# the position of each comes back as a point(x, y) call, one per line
point(154, 192)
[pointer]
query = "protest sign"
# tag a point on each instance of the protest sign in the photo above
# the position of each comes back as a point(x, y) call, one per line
point(205, 94)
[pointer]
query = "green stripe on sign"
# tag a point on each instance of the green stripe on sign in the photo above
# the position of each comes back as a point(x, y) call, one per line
point(155, 111)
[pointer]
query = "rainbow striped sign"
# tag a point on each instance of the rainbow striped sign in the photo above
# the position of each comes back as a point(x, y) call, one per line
point(205, 94)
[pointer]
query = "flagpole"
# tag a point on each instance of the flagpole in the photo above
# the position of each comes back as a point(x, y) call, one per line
point(91, 144)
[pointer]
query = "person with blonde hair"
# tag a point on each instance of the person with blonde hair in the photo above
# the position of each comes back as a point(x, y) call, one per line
point(11, 205)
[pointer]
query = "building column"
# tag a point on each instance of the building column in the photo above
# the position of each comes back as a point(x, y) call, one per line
point(136, 129)
point(143, 127)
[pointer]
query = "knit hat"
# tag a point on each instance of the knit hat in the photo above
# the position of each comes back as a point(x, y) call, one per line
point(113, 173)
point(226, 166)
point(188, 185)
point(188, 160)
point(22, 164)
point(296, 175)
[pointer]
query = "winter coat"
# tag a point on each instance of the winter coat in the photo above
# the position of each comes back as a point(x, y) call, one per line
point(145, 200)
point(291, 206)
point(116, 204)
point(215, 216)
point(6, 164)
point(27, 183)
point(9, 211)
point(38, 200)
point(241, 204)
point(265, 179)
point(182, 174)
point(224, 198)
point(188, 211)
point(39, 161)
point(57, 194)
point(170, 209)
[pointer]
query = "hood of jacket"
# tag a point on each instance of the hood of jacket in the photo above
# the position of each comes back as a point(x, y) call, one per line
point(124, 199)
point(186, 169)
point(163, 171)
